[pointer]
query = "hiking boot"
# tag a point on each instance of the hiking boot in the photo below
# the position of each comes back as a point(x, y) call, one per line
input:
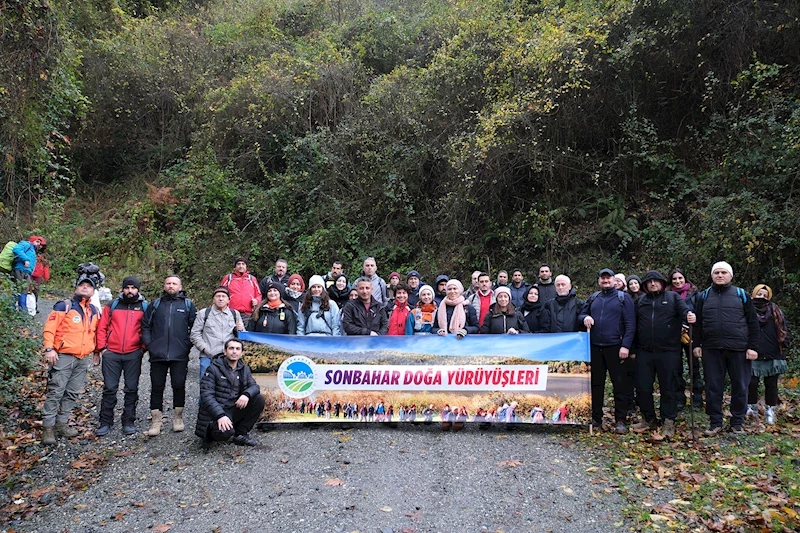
point(66, 430)
point(48, 435)
point(697, 402)
point(736, 429)
point(752, 411)
point(102, 430)
point(128, 429)
point(620, 429)
point(769, 416)
point(644, 426)
point(713, 431)
point(244, 440)
point(668, 429)
point(177, 420)
point(155, 423)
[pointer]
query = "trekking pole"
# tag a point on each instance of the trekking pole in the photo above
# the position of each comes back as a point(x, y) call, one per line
point(591, 418)
point(691, 382)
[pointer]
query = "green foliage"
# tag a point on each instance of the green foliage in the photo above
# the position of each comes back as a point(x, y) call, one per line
point(18, 344)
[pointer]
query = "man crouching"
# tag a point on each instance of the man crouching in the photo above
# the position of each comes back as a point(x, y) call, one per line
point(230, 399)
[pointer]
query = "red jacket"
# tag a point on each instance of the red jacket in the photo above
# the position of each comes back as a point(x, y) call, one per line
point(243, 288)
point(121, 330)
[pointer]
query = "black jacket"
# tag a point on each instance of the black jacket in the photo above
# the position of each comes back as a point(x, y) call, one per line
point(659, 317)
point(560, 315)
point(614, 318)
point(547, 291)
point(220, 387)
point(166, 327)
point(768, 346)
point(726, 320)
point(281, 320)
point(472, 319)
point(357, 320)
point(262, 285)
point(496, 322)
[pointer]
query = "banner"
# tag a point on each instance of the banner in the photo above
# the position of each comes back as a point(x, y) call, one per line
point(541, 378)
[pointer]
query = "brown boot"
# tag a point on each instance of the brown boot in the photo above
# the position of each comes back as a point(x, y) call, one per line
point(668, 429)
point(155, 423)
point(48, 435)
point(177, 419)
point(66, 430)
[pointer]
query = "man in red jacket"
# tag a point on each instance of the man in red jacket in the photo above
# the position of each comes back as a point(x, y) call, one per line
point(120, 335)
point(243, 288)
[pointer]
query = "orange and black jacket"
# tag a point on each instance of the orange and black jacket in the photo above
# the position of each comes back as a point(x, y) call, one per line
point(71, 327)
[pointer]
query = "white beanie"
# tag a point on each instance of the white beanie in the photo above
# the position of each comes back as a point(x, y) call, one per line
point(316, 280)
point(723, 265)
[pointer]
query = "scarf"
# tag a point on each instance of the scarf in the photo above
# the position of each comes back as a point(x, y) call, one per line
point(684, 291)
point(459, 318)
point(294, 295)
point(766, 309)
point(397, 321)
point(274, 304)
point(530, 307)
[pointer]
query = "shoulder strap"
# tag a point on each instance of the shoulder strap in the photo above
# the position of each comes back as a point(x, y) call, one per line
point(621, 296)
point(188, 304)
point(208, 312)
point(741, 294)
point(591, 300)
point(156, 303)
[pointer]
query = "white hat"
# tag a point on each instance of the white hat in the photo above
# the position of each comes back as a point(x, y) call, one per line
point(316, 280)
point(723, 265)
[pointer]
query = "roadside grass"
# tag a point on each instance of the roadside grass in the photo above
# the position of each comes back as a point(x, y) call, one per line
point(729, 483)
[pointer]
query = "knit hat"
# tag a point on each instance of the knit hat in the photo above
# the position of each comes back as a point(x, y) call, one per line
point(394, 275)
point(621, 277)
point(427, 288)
point(278, 287)
point(242, 259)
point(723, 265)
point(502, 289)
point(298, 277)
point(316, 280)
point(413, 274)
point(762, 286)
point(131, 280)
point(222, 289)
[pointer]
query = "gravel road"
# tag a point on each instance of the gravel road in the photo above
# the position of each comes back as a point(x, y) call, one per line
point(300, 478)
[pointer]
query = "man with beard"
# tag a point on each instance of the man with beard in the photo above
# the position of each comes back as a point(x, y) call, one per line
point(560, 314)
point(166, 330)
point(279, 275)
point(119, 333)
point(547, 290)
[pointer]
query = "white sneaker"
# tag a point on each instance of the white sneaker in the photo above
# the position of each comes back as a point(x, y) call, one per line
point(752, 411)
point(770, 416)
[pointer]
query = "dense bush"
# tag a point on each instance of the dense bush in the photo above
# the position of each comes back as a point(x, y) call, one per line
point(18, 345)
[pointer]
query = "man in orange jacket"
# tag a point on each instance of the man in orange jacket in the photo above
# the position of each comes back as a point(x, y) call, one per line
point(69, 340)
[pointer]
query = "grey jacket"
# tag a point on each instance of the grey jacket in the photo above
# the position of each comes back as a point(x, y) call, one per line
point(209, 336)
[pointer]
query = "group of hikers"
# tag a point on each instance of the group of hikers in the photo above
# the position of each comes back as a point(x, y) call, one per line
point(639, 328)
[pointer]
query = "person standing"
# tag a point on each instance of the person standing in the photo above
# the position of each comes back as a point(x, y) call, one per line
point(483, 298)
point(213, 327)
point(22, 267)
point(280, 275)
point(243, 288)
point(69, 339)
point(119, 338)
point(560, 315)
point(610, 316)
point(364, 315)
point(519, 288)
point(772, 346)
point(726, 337)
point(547, 289)
point(379, 290)
point(230, 399)
point(166, 331)
point(659, 318)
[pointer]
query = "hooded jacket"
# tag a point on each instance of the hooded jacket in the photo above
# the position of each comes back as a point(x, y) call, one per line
point(560, 315)
point(166, 328)
point(659, 318)
point(243, 287)
point(71, 327)
point(24, 251)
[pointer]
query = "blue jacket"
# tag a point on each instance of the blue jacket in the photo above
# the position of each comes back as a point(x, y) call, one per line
point(24, 251)
point(614, 318)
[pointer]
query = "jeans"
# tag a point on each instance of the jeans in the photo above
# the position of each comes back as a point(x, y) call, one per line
point(114, 365)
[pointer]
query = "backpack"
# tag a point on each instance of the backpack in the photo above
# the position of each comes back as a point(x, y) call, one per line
point(237, 316)
point(739, 292)
point(320, 314)
point(187, 302)
point(7, 256)
point(620, 295)
point(115, 303)
point(229, 277)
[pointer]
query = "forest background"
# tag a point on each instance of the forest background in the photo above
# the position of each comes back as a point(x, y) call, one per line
point(156, 136)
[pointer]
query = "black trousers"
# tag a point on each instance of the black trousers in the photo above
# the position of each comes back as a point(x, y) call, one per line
point(606, 359)
point(158, 381)
point(243, 420)
point(770, 390)
point(665, 366)
point(716, 364)
point(115, 365)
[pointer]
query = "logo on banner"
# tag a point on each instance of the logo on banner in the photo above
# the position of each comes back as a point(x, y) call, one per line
point(296, 377)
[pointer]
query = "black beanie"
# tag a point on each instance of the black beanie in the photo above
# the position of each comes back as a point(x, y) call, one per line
point(132, 280)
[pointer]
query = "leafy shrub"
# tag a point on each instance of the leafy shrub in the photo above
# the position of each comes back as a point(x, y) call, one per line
point(18, 344)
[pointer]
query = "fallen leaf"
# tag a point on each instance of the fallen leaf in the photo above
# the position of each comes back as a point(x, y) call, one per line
point(592, 469)
point(659, 518)
point(569, 491)
point(162, 528)
point(386, 509)
point(512, 463)
point(284, 461)
point(334, 482)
